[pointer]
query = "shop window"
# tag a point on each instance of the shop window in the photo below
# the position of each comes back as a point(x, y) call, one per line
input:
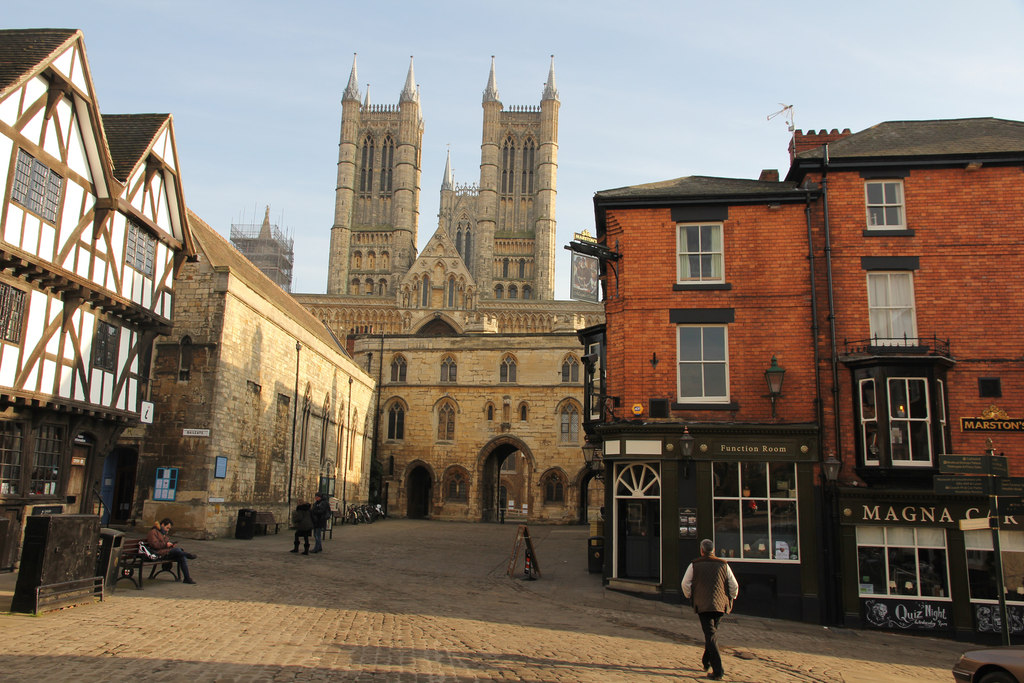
point(700, 253)
point(755, 510)
point(703, 364)
point(10, 457)
point(981, 563)
point(902, 561)
point(46, 465)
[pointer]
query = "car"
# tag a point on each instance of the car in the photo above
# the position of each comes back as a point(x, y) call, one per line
point(992, 665)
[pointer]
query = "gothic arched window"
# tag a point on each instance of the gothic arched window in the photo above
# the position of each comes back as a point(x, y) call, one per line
point(387, 162)
point(507, 371)
point(570, 424)
point(398, 369)
point(451, 292)
point(508, 165)
point(396, 422)
point(446, 423)
point(528, 162)
point(499, 292)
point(554, 488)
point(448, 369)
point(366, 167)
point(570, 370)
point(425, 292)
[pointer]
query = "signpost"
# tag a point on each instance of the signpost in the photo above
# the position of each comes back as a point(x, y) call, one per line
point(984, 475)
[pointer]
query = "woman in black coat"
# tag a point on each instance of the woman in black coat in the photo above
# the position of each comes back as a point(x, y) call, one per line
point(302, 521)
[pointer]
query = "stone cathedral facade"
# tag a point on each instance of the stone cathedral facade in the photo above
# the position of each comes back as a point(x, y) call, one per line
point(480, 370)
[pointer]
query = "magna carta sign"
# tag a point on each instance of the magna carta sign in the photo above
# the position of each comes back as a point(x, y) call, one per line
point(992, 419)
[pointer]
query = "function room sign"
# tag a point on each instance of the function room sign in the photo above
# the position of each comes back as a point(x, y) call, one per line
point(993, 419)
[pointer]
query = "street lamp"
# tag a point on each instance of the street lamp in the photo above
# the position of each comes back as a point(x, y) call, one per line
point(686, 451)
point(830, 467)
point(592, 456)
point(774, 376)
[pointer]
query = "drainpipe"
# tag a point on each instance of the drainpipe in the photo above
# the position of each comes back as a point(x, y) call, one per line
point(819, 411)
point(831, 307)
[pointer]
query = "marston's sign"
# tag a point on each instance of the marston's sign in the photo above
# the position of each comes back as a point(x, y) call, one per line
point(993, 419)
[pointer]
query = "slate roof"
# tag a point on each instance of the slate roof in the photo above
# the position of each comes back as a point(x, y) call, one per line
point(219, 252)
point(21, 50)
point(941, 137)
point(128, 137)
point(696, 187)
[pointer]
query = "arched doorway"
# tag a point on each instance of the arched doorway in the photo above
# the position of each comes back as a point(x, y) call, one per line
point(591, 488)
point(506, 471)
point(418, 493)
point(638, 521)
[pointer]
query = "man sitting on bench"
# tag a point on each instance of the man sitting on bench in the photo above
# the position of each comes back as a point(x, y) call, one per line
point(160, 543)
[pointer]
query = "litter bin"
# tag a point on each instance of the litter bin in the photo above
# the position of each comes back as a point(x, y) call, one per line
point(246, 526)
point(108, 557)
point(595, 554)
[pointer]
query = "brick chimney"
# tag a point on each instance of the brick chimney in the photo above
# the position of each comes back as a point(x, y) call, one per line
point(769, 174)
point(802, 141)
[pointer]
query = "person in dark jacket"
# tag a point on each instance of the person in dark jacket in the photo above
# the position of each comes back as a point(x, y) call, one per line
point(158, 540)
point(712, 584)
point(320, 511)
point(302, 520)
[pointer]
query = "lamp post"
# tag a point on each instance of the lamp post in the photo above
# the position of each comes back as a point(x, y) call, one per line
point(830, 468)
point(774, 376)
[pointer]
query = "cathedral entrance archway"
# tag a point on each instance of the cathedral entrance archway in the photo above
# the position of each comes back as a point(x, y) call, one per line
point(418, 487)
point(506, 472)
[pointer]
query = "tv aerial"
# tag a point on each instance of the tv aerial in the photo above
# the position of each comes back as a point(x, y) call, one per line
point(787, 110)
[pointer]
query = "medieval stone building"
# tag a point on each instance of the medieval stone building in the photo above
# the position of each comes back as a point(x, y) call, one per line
point(479, 367)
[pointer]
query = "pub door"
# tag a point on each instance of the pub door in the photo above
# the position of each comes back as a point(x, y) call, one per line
point(640, 539)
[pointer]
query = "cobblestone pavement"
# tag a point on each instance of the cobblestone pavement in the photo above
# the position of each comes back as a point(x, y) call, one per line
point(407, 600)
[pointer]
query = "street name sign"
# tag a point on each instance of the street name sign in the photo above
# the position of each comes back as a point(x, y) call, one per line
point(974, 464)
point(956, 483)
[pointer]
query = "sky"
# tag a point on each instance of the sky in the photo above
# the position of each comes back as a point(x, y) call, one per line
point(649, 90)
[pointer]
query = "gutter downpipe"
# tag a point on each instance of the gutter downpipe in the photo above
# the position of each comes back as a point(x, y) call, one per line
point(819, 411)
point(835, 606)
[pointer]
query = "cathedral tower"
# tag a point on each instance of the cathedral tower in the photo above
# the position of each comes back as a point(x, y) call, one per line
point(376, 203)
point(516, 204)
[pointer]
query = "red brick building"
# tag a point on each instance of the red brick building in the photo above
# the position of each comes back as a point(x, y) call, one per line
point(880, 275)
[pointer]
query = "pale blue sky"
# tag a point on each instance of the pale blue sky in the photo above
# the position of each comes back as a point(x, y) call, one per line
point(649, 90)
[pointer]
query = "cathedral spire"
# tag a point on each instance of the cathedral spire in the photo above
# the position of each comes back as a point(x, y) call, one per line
point(491, 93)
point(448, 182)
point(352, 89)
point(550, 91)
point(265, 228)
point(409, 92)
point(366, 102)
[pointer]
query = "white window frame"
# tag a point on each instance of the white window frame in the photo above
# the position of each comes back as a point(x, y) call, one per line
point(705, 364)
point(885, 316)
point(1011, 543)
point(896, 419)
point(892, 588)
point(866, 423)
point(709, 249)
point(745, 497)
point(884, 206)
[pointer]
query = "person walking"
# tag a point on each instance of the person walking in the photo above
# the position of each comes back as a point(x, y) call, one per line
point(159, 541)
point(302, 521)
point(320, 511)
point(709, 579)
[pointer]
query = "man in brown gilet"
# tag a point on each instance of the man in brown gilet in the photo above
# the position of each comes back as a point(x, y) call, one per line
point(713, 586)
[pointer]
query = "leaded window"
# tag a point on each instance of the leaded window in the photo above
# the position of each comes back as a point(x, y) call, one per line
point(569, 418)
point(446, 423)
point(396, 422)
point(36, 187)
point(140, 250)
point(10, 457)
point(449, 369)
point(12, 313)
point(104, 347)
point(507, 370)
point(47, 461)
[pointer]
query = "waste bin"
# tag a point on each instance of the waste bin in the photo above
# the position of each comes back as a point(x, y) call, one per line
point(246, 526)
point(108, 557)
point(595, 553)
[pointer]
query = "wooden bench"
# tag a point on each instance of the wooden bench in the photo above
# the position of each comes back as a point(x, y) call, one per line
point(265, 519)
point(132, 564)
